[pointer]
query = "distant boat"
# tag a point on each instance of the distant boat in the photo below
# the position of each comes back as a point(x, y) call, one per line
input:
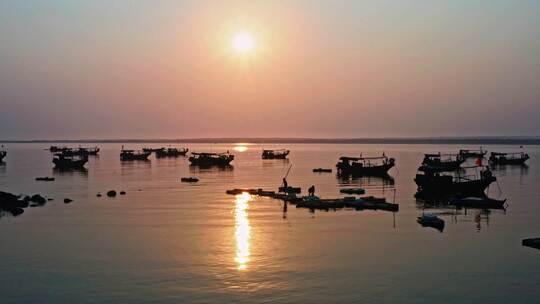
point(62, 161)
point(275, 154)
point(478, 202)
point(516, 158)
point(127, 155)
point(55, 149)
point(431, 220)
point(171, 152)
point(480, 153)
point(377, 166)
point(458, 182)
point(211, 159)
point(322, 170)
point(443, 162)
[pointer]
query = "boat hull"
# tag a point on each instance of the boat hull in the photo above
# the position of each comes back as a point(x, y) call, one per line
point(381, 170)
point(446, 185)
point(210, 162)
point(69, 164)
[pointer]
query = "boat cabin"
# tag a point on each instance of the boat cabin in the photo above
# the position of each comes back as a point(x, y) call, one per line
point(378, 165)
point(466, 153)
point(134, 154)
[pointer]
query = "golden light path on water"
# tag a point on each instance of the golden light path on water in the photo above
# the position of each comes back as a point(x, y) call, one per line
point(242, 230)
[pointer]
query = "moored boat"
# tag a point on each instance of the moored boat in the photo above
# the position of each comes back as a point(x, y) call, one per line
point(431, 220)
point(515, 158)
point(322, 170)
point(432, 181)
point(80, 151)
point(275, 154)
point(211, 159)
point(128, 155)
point(3, 154)
point(171, 152)
point(360, 166)
point(62, 161)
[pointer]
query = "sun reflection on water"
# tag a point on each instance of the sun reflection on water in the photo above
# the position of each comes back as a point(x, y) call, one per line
point(242, 230)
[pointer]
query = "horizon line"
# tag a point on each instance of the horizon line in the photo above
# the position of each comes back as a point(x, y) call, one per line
point(513, 140)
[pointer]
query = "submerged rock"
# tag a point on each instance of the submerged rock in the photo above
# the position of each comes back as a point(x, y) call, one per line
point(111, 193)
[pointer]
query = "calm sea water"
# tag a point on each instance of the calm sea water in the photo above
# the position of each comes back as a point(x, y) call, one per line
point(171, 242)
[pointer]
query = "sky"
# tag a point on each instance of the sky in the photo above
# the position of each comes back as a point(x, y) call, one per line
point(318, 68)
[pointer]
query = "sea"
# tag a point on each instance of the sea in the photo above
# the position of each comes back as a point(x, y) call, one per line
point(165, 241)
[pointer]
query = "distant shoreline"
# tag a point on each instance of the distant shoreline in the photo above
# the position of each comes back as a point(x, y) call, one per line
point(412, 140)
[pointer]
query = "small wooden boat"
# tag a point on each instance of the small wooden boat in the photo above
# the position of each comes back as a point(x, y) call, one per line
point(62, 161)
point(443, 162)
point(353, 191)
point(431, 220)
point(516, 158)
point(533, 243)
point(211, 159)
point(478, 202)
point(171, 152)
point(129, 155)
point(275, 154)
point(322, 170)
point(189, 179)
point(365, 166)
point(466, 153)
point(459, 182)
point(45, 179)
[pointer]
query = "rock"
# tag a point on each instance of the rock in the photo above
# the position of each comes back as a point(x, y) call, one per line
point(9, 201)
point(122, 192)
point(36, 198)
point(111, 193)
point(67, 200)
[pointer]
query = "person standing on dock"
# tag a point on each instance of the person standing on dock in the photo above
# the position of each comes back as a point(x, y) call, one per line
point(311, 190)
point(285, 184)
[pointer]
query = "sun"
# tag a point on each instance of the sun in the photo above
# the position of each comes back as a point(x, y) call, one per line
point(243, 42)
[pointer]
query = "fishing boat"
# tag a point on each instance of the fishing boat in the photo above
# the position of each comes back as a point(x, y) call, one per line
point(515, 158)
point(171, 152)
point(62, 161)
point(483, 202)
point(361, 166)
point(431, 220)
point(152, 150)
point(432, 181)
point(128, 155)
point(211, 159)
point(189, 179)
point(322, 170)
point(275, 154)
point(443, 162)
point(467, 153)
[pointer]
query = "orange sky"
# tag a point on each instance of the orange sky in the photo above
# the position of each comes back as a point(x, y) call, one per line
point(167, 69)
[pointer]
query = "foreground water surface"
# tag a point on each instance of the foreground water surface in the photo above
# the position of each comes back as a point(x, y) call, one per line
point(172, 242)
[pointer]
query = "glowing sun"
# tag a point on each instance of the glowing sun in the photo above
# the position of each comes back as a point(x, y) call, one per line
point(243, 42)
